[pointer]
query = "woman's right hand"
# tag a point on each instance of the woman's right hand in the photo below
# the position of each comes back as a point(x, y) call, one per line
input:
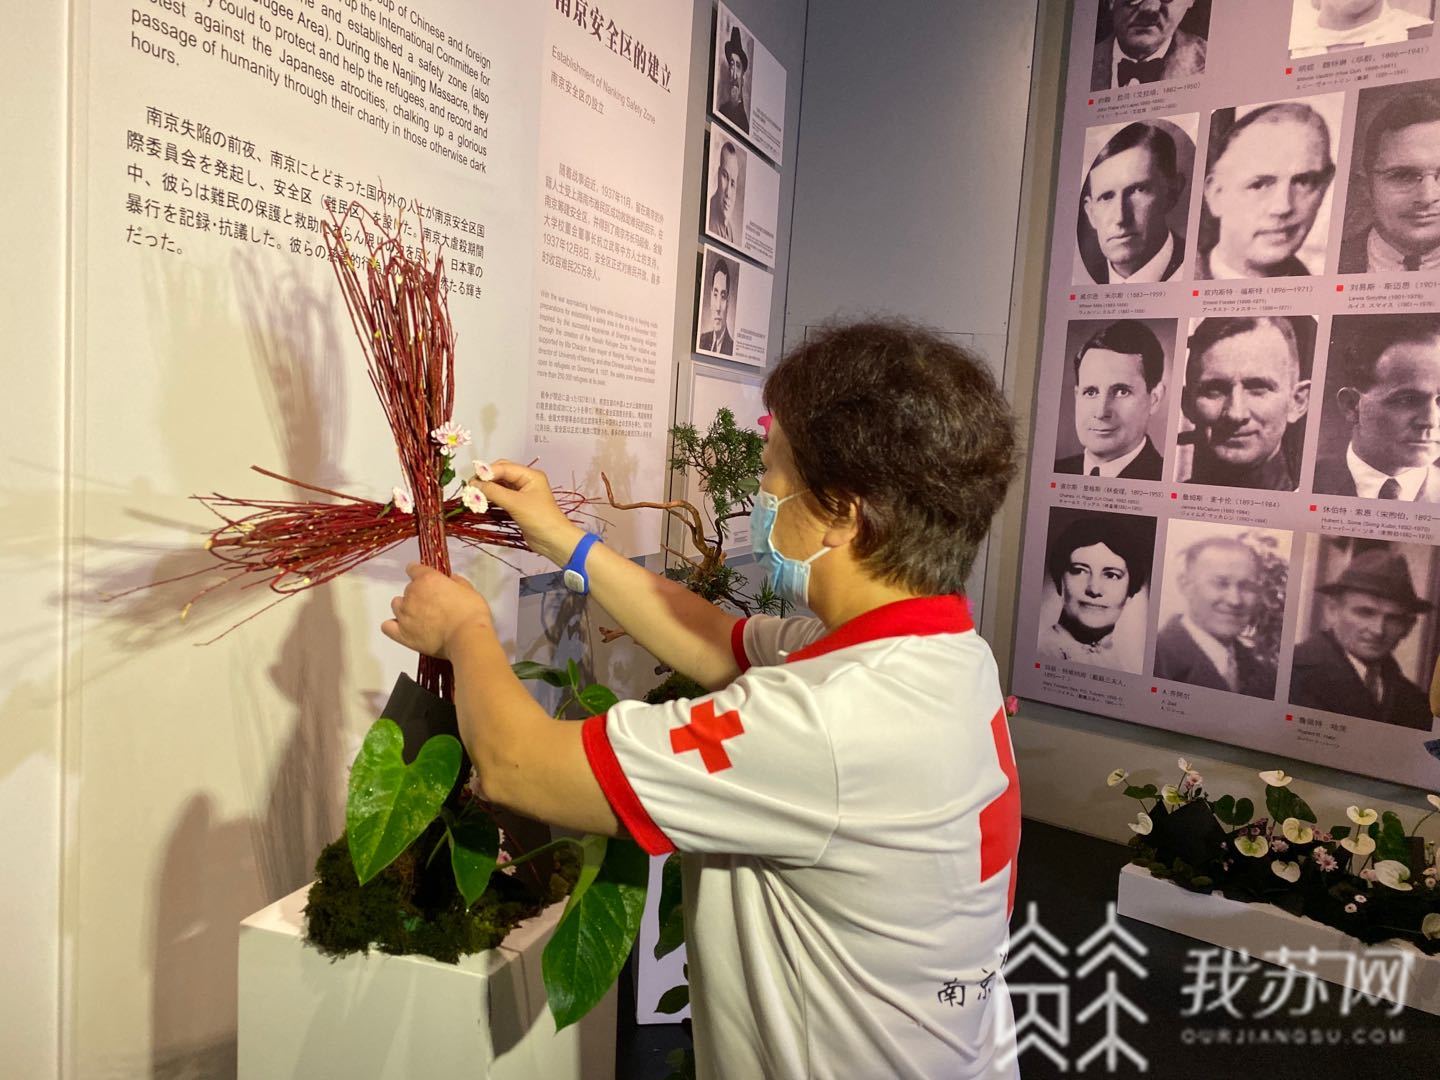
point(525, 494)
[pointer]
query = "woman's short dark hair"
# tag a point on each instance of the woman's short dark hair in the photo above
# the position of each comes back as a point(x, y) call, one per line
point(910, 426)
point(1115, 532)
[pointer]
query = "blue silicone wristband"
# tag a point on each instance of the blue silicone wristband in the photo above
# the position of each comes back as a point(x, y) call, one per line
point(574, 576)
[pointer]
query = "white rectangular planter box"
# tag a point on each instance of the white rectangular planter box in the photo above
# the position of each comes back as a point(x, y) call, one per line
point(378, 1017)
point(1262, 929)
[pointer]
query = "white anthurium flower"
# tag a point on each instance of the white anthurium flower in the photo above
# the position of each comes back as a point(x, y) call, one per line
point(1142, 824)
point(1116, 778)
point(483, 471)
point(402, 500)
point(1433, 800)
point(1171, 796)
point(474, 499)
point(1360, 844)
point(1393, 873)
point(1430, 925)
point(1254, 846)
point(1361, 817)
point(1290, 871)
point(1184, 765)
point(1296, 831)
point(1276, 778)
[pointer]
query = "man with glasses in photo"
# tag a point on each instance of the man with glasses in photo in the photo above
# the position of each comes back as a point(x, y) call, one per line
point(1402, 175)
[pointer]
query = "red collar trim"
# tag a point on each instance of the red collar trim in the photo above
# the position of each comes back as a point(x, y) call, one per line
point(921, 616)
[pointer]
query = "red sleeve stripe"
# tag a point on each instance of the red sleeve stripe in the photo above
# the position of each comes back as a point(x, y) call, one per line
point(737, 644)
point(621, 796)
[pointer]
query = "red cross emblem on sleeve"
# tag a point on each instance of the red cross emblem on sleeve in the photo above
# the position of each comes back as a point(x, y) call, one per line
point(707, 733)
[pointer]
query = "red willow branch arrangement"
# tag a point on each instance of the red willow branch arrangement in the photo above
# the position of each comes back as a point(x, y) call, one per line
point(397, 300)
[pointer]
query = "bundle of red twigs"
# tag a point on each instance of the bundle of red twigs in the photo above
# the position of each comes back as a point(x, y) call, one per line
point(396, 298)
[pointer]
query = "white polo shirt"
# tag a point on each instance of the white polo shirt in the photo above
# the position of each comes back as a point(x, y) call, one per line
point(850, 815)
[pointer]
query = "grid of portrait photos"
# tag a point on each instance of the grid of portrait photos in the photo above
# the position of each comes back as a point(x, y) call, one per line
point(740, 207)
point(1234, 479)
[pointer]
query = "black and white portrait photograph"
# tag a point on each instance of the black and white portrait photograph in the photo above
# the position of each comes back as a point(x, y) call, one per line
point(1113, 406)
point(1392, 206)
point(734, 57)
point(1134, 201)
point(1365, 634)
point(1222, 606)
point(1380, 422)
point(1149, 41)
point(1324, 27)
point(1245, 401)
point(1269, 170)
point(725, 196)
point(719, 293)
point(1096, 603)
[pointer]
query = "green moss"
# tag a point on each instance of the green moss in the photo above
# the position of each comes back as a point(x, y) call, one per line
point(412, 908)
point(674, 687)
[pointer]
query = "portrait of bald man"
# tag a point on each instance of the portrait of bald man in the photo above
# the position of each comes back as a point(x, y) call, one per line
point(1380, 428)
point(1142, 41)
point(1266, 177)
point(1392, 211)
point(1131, 227)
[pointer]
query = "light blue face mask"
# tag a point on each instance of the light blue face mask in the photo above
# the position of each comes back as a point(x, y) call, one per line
point(790, 578)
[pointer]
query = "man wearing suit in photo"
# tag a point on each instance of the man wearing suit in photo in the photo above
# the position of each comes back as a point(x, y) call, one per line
point(1350, 667)
point(731, 102)
point(1146, 44)
point(1128, 195)
point(1119, 384)
point(1400, 171)
point(721, 222)
point(1388, 397)
point(1247, 393)
point(1220, 583)
point(718, 338)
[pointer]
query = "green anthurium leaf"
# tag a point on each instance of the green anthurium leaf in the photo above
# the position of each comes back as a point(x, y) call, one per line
point(1390, 844)
point(1277, 802)
point(390, 803)
point(674, 999)
point(671, 914)
point(1133, 792)
point(597, 699)
point(595, 935)
point(572, 674)
point(529, 669)
point(1224, 808)
point(1299, 808)
point(1340, 832)
point(1244, 811)
point(474, 848)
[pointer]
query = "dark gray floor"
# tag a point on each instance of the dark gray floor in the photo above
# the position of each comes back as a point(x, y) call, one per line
point(1071, 878)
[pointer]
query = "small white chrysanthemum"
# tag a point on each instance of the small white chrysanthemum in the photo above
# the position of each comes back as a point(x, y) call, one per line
point(1290, 871)
point(1279, 846)
point(1296, 831)
point(402, 500)
point(1360, 844)
point(474, 499)
point(450, 437)
point(1116, 778)
point(1276, 778)
point(1325, 861)
point(1361, 817)
point(1142, 824)
point(483, 471)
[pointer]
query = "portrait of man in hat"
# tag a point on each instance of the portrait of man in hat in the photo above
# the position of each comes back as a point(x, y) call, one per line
point(732, 79)
point(1349, 667)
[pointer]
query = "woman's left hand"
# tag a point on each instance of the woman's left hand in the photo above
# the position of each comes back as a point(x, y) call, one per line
point(433, 610)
